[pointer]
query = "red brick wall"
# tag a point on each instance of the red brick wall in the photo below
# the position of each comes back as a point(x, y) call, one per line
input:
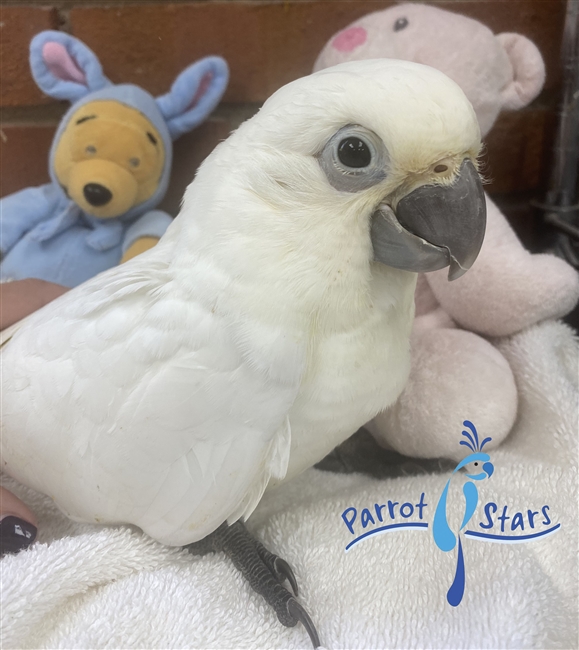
point(266, 44)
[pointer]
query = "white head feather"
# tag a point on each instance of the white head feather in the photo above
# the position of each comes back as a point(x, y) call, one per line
point(262, 200)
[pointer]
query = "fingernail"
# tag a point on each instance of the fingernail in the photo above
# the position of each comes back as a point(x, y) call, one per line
point(15, 534)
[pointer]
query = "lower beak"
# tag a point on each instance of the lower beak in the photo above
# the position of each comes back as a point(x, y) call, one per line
point(434, 226)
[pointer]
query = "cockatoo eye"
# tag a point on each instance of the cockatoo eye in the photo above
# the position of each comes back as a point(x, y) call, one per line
point(354, 152)
point(354, 159)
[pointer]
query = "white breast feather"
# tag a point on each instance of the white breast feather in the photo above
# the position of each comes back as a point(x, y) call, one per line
point(161, 421)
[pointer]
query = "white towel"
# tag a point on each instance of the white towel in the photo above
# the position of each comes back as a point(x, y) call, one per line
point(81, 586)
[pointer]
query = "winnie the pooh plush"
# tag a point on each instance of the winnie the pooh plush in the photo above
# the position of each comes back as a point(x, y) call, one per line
point(457, 372)
point(109, 163)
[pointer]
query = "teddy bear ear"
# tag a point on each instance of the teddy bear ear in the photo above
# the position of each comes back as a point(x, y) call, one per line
point(194, 94)
point(528, 70)
point(63, 67)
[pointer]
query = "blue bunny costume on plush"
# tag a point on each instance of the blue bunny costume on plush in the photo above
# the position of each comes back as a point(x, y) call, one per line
point(43, 233)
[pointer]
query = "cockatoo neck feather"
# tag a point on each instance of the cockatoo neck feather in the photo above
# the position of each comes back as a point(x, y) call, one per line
point(299, 251)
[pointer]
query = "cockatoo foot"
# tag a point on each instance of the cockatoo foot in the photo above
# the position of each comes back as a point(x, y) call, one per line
point(264, 571)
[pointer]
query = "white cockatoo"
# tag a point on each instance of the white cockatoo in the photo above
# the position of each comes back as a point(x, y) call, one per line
point(269, 323)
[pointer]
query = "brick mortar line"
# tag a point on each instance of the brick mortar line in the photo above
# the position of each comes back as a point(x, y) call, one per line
point(229, 111)
point(76, 4)
point(73, 4)
point(41, 114)
point(233, 113)
point(51, 114)
point(63, 18)
point(119, 3)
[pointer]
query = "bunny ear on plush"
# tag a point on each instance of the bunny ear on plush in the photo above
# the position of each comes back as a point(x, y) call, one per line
point(63, 67)
point(194, 94)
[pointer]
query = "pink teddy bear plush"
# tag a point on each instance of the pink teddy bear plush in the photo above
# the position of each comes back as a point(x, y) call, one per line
point(457, 373)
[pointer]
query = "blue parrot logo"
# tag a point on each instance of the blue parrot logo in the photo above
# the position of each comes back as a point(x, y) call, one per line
point(478, 467)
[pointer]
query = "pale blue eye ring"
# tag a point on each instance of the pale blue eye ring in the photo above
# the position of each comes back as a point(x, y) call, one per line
point(354, 178)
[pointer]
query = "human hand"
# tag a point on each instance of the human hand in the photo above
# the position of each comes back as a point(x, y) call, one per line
point(17, 524)
point(18, 299)
point(22, 297)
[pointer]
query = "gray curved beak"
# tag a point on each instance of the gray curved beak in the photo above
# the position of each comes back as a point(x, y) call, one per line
point(434, 226)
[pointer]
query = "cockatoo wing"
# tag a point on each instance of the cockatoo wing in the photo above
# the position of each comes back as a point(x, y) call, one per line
point(444, 538)
point(166, 418)
point(8, 333)
point(470, 502)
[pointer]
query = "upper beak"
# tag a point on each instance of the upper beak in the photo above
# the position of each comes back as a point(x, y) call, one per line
point(434, 226)
point(489, 468)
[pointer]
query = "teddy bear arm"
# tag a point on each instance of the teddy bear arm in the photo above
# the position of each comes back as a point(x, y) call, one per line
point(144, 233)
point(140, 246)
point(23, 210)
point(454, 374)
point(507, 288)
point(494, 268)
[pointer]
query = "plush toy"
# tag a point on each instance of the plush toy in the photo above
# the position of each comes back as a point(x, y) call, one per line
point(456, 373)
point(110, 163)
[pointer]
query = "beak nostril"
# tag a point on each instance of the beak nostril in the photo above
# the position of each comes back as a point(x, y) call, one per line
point(97, 194)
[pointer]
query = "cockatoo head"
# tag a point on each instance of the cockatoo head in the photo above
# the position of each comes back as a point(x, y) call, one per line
point(385, 150)
point(477, 465)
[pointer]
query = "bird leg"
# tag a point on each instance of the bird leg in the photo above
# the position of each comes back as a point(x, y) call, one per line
point(264, 571)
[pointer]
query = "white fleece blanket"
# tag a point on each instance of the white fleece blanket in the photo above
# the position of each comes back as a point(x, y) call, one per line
point(87, 587)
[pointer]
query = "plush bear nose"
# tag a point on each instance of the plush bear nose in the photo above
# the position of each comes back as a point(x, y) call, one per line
point(97, 194)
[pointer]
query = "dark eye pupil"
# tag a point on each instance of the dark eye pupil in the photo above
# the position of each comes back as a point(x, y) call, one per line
point(476, 464)
point(354, 152)
point(401, 23)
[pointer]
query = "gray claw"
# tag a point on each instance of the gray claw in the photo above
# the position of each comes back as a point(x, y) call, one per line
point(284, 571)
point(299, 613)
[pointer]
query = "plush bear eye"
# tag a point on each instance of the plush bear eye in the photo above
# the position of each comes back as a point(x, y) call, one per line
point(134, 162)
point(400, 24)
point(90, 149)
point(354, 152)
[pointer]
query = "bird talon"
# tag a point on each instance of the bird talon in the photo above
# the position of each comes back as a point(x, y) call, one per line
point(299, 614)
point(284, 572)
